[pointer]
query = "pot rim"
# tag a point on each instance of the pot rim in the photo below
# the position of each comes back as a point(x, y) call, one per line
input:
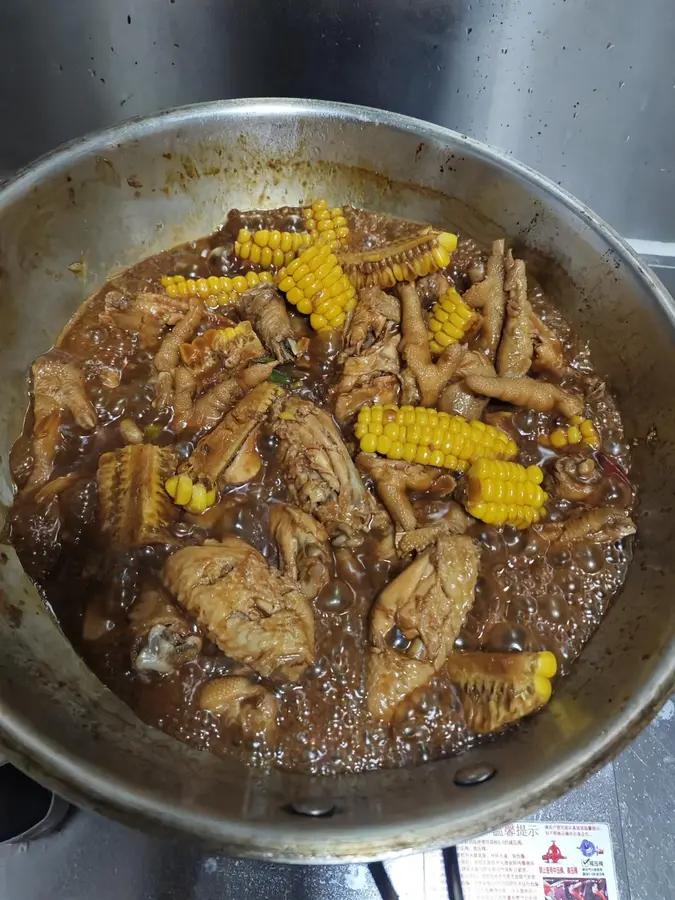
point(89, 785)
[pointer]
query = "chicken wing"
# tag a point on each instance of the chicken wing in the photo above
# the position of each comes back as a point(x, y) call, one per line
point(431, 377)
point(163, 638)
point(457, 399)
point(319, 473)
point(393, 479)
point(250, 707)
point(593, 526)
point(497, 689)
point(528, 392)
point(133, 507)
point(58, 390)
point(390, 678)
point(265, 309)
point(303, 547)
point(514, 356)
point(255, 614)
point(431, 598)
point(489, 296)
point(145, 315)
point(215, 452)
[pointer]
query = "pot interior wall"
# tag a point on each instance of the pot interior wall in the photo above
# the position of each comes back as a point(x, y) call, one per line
point(108, 202)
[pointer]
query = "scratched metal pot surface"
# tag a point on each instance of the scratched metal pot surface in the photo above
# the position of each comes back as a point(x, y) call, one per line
point(105, 202)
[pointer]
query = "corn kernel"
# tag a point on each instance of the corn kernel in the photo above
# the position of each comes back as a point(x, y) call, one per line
point(183, 490)
point(383, 444)
point(171, 486)
point(369, 443)
point(409, 451)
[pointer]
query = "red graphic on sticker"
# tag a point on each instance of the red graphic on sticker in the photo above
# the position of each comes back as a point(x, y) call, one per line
point(553, 854)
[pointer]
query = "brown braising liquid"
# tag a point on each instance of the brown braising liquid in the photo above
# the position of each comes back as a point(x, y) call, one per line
point(527, 598)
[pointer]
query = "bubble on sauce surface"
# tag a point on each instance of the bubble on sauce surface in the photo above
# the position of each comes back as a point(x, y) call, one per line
point(335, 598)
point(506, 638)
point(589, 558)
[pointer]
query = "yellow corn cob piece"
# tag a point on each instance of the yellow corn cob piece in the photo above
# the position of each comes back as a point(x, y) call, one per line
point(451, 319)
point(217, 291)
point(194, 496)
point(428, 437)
point(505, 493)
point(497, 689)
point(577, 430)
point(133, 508)
point(270, 249)
point(326, 225)
point(405, 260)
point(315, 283)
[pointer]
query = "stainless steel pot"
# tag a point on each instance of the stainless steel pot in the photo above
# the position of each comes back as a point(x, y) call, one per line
point(104, 202)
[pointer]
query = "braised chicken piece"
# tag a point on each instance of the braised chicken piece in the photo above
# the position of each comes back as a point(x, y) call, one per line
point(549, 353)
point(318, 471)
point(265, 309)
point(255, 614)
point(168, 356)
point(303, 548)
point(431, 288)
point(390, 678)
point(394, 478)
point(431, 598)
point(431, 377)
point(489, 296)
point(209, 409)
point(498, 689)
point(370, 377)
point(456, 521)
point(59, 392)
point(214, 453)
point(597, 526)
point(59, 384)
point(528, 392)
point(516, 347)
point(369, 359)
point(163, 639)
point(251, 708)
point(219, 352)
point(134, 508)
point(144, 315)
point(377, 316)
point(457, 399)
